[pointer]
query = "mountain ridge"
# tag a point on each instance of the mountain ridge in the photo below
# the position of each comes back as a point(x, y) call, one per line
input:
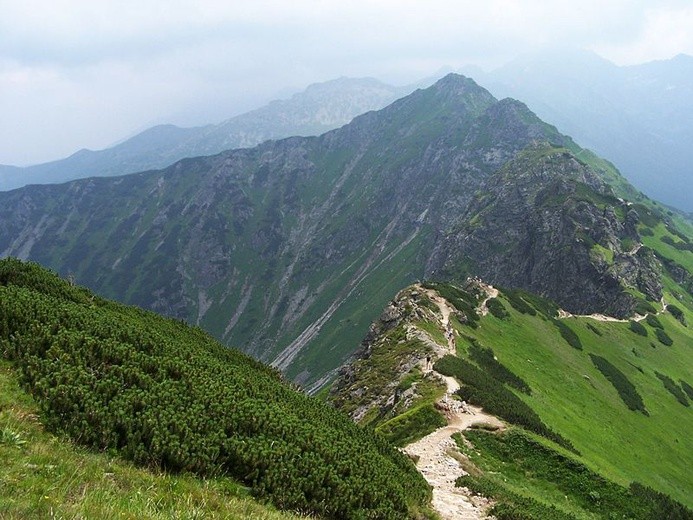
point(581, 383)
point(241, 244)
point(636, 116)
point(320, 107)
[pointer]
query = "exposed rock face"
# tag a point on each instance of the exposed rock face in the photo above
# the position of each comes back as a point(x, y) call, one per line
point(290, 249)
point(386, 355)
point(538, 223)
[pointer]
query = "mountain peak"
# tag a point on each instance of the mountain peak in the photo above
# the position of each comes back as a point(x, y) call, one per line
point(458, 84)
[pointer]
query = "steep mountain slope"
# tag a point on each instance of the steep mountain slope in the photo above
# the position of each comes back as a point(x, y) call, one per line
point(165, 395)
point(616, 395)
point(321, 107)
point(549, 216)
point(291, 248)
point(639, 116)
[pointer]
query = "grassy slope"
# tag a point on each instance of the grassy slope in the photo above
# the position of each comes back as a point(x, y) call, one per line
point(576, 400)
point(46, 476)
point(567, 391)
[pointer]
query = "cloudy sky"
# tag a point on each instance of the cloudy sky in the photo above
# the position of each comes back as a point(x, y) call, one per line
point(85, 74)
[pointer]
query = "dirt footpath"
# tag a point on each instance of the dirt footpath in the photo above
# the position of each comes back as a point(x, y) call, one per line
point(441, 470)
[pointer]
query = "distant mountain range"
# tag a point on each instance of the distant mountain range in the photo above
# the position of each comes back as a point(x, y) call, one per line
point(321, 107)
point(289, 249)
point(639, 117)
point(545, 291)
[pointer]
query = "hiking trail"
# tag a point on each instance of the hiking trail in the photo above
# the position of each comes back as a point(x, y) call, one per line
point(437, 454)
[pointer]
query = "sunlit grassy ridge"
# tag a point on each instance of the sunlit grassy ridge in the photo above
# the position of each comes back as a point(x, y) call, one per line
point(575, 399)
point(167, 396)
point(616, 402)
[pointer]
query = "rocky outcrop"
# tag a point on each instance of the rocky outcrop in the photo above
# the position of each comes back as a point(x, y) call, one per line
point(547, 223)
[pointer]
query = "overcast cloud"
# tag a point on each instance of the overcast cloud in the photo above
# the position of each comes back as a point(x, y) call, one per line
point(83, 74)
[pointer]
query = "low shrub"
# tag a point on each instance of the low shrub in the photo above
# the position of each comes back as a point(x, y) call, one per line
point(643, 307)
point(653, 321)
point(594, 329)
point(568, 334)
point(412, 425)
point(646, 232)
point(510, 505)
point(516, 452)
point(496, 308)
point(518, 303)
point(626, 390)
point(663, 337)
point(637, 327)
point(677, 313)
point(465, 302)
point(658, 505)
point(545, 306)
point(681, 246)
point(687, 388)
point(673, 388)
point(485, 358)
point(163, 394)
point(483, 390)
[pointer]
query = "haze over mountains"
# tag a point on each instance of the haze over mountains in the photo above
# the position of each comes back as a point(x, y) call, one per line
point(639, 117)
point(290, 249)
point(321, 107)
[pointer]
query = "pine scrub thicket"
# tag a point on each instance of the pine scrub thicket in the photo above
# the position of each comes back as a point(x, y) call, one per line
point(163, 394)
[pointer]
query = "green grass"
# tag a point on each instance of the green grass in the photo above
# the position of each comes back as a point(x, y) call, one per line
point(603, 253)
point(483, 388)
point(573, 398)
point(530, 480)
point(412, 425)
point(47, 476)
point(638, 328)
point(684, 258)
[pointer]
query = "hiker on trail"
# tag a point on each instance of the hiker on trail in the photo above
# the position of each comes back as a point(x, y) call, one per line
point(428, 363)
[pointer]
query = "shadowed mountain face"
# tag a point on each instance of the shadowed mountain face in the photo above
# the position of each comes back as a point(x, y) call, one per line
point(321, 107)
point(290, 249)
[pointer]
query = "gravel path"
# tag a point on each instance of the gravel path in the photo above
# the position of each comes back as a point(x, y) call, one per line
point(435, 462)
point(441, 470)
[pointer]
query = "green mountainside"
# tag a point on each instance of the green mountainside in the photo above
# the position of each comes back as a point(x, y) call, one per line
point(598, 411)
point(290, 249)
point(167, 396)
